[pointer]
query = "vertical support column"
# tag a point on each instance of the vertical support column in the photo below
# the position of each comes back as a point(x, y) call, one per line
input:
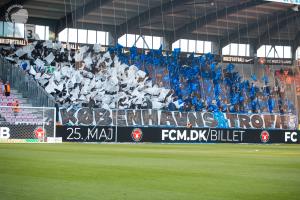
point(294, 53)
point(112, 39)
point(53, 33)
point(253, 50)
point(216, 48)
point(295, 65)
point(256, 68)
point(56, 109)
point(166, 44)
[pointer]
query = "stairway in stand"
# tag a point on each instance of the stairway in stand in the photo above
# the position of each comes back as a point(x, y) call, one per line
point(7, 114)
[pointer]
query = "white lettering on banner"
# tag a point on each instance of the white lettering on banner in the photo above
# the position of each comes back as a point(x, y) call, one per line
point(181, 136)
point(105, 135)
point(164, 135)
point(235, 136)
point(291, 136)
point(194, 135)
point(212, 135)
point(202, 135)
point(92, 134)
point(170, 135)
point(4, 133)
point(73, 134)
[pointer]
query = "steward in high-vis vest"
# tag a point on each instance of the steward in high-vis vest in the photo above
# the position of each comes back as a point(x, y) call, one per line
point(7, 89)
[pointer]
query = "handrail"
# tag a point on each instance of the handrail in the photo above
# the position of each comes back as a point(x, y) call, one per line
point(25, 84)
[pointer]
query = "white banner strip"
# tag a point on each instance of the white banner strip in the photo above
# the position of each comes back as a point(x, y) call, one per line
point(287, 1)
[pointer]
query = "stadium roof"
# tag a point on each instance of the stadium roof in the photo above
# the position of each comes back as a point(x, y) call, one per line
point(224, 21)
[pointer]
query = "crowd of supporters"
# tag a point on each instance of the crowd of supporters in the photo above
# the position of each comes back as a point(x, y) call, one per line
point(138, 80)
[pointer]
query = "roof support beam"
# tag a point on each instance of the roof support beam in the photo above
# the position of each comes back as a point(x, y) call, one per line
point(42, 21)
point(145, 17)
point(213, 16)
point(92, 26)
point(265, 37)
point(296, 44)
point(242, 31)
point(146, 31)
point(297, 41)
point(80, 12)
point(4, 8)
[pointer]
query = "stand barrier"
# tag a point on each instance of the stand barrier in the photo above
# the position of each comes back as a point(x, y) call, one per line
point(175, 135)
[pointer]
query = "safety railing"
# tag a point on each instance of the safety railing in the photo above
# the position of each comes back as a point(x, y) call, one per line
point(25, 84)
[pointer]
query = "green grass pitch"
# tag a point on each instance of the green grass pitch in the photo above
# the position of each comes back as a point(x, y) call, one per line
point(149, 171)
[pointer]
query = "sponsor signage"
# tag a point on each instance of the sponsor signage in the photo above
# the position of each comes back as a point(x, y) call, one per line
point(4, 132)
point(291, 136)
point(264, 136)
point(30, 34)
point(8, 41)
point(202, 135)
point(208, 135)
point(39, 132)
point(19, 141)
point(275, 61)
point(23, 133)
point(238, 59)
point(137, 135)
point(54, 140)
point(175, 135)
point(156, 118)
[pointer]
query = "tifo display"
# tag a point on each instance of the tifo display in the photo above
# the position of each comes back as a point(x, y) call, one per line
point(151, 92)
point(115, 80)
point(150, 117)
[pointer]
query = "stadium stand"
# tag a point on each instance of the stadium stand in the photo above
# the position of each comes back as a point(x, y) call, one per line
point(149, 99)
point(12, 113)
point(17, 107)
point(113, 79)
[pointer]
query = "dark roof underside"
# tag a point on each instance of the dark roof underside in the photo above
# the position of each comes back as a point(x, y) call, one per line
point(223, 21)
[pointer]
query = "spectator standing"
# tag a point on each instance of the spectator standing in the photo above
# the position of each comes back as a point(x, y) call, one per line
point(189, 125)
point(16, 107)
point(91, 103)
point(7, 89)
